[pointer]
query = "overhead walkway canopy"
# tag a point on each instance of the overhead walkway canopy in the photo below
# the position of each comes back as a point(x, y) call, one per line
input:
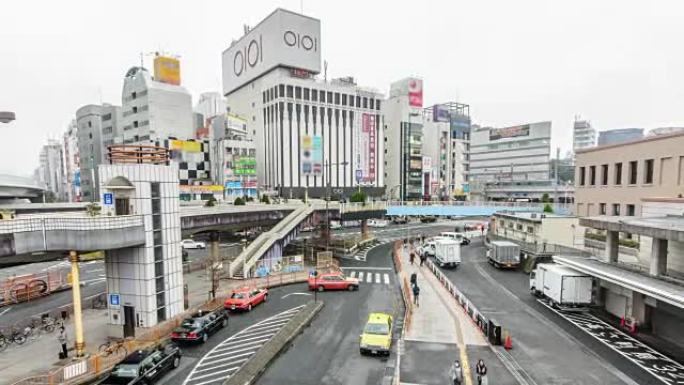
point(653, 287)
point(670, 227)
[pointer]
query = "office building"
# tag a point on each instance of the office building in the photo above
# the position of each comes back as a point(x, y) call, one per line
point(403, 139)
point(211, 104)
point(446, 150)
point(513, 163)
point(620, 135)
point(153, 109)
point(612, 180)
point(584, 135)
point(72, 171)
point(665, 131)
point(97, 127)
point(307, 131)
point(50, 173)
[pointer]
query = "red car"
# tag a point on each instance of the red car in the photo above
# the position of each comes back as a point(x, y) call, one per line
point(332, 281)
point(245, 298)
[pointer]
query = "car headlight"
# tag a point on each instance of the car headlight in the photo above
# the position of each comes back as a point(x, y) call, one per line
point(364, 346)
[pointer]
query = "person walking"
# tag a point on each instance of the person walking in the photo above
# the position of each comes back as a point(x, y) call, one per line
point(456, 373)
point(416, 292)
point(63, 340)
point(481, 371)
point(423, 257)
point(414, 279)
point(412, 256)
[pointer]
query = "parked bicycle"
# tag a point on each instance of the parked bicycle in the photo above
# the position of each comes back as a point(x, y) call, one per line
point(46, 323)
point(117, 347)
point(13, 336)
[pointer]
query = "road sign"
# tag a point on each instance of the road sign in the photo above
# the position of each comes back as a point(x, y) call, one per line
point(359, 175)
point(108, 198)
point(114, 300)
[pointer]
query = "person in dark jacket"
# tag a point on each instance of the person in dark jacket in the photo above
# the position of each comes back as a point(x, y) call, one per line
point(481, 371)
point(414, 279)
point(416, 292)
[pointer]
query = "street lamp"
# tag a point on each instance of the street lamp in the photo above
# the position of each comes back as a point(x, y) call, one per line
point(7, 116)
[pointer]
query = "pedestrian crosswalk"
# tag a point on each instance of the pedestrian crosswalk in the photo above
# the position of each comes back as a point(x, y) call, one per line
point(230, 355)
point(370, 276)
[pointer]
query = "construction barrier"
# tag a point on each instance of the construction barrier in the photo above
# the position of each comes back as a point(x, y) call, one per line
point(28, 287)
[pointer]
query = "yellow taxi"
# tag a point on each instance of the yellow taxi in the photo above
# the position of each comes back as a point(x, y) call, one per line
point(377, 335)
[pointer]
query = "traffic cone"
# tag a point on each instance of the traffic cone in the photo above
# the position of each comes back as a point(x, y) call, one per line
point(508, 343)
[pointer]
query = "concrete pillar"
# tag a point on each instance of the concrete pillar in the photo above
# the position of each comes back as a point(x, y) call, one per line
point(658, 256)
point(365, 233)
point(215, 262)
point(76, 295)
point(638, 308)
point(612, 246)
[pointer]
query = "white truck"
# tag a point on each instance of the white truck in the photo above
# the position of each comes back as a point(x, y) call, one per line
point(503, 254)
point(447, 252)
point(561, 285)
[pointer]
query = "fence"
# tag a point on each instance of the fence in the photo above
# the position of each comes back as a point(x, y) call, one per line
point(70, 223)
point(31, 286)
point(405, 287)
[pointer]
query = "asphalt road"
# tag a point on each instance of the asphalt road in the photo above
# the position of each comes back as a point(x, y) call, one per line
point(548, 348)
point(328, 351)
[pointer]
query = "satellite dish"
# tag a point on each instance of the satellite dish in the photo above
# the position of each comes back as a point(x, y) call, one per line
point(6, 116)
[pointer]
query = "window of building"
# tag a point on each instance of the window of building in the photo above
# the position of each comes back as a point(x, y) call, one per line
point(322, 96)
point(377, 104)
point(351, 100)
point(618, 173)
point(648, 171)
point(134, 95)
point(281, 90)
point(344, 99)
point(314, 95)
point(530, 229)
point(298, 92)
point(306, 94)
point(106, 117)
point(330, 97)
point(604, 174)
point(135, 124)
point(592, 175)
point(365, 102)
point(633, 172)
point(290, 91)
point(616, 209)
point(135, 109)
point(602, 209)
point(358, 102)
point(337, 98)
point(372, 103)
point(631, 210)
point(518, 226)
point(582, 176)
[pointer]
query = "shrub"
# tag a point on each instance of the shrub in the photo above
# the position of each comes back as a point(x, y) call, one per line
point(545, 198)
point(358, 197)
point(548, 209)
point(265, 199)
point(239, 202)
point(211, 202)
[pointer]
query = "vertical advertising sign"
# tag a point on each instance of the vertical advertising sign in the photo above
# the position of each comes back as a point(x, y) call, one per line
point(415, 92)
point(368, 138)
point(311, 153)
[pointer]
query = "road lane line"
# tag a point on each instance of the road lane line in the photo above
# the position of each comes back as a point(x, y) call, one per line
point(377, 277)
point(236, 349)
point(5, 311)
point(361, 276)
point(217, 372)
point(369, 278)
point(352, 274)
point(287, 295)
point(227, 359)
point(387, 281)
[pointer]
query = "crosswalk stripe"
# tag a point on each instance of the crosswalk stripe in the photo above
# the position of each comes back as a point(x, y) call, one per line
point(369, 277)
point(386, 278)
point(361, 276)
point(353, 274)
point(377, 277)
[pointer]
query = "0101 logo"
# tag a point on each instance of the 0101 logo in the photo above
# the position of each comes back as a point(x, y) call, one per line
point(248, 57)
point(295, 39)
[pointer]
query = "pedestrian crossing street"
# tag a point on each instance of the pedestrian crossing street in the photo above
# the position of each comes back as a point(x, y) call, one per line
point(230, 355)
point(381, 276)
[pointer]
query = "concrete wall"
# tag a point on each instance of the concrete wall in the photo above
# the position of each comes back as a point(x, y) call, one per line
point(654, 207)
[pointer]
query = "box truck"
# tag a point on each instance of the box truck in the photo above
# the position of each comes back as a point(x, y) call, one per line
point(561, 285)
point(503, 254)
point(447, 252)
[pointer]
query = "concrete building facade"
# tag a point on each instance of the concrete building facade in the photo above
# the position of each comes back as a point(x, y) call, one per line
point(583, 135)
point(50, 172)
point(72, 171)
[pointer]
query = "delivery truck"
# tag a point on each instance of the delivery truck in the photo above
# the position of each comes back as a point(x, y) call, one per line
point(561, 285)
point(503, 254)
point(447, 252)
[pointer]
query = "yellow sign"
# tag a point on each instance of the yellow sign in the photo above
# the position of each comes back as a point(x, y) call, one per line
point(167, 70)
point(185, 145)
point(198, 189)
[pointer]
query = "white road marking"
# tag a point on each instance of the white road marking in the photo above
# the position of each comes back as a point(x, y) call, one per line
point(387, 280)
point(287, 295)
point(369, 277)
point(5, 311)
point(352, 274)
point(366, 268)
point(377, 277)
point(361, 276)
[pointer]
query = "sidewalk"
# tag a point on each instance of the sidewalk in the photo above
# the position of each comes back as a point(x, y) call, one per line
point(439, 332)
point(39, 355)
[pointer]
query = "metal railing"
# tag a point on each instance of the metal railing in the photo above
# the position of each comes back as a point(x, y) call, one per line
point(363, 206)
point(84, 223)
point(507, 205)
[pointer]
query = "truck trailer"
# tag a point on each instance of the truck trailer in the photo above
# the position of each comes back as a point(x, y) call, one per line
point(561, 285)
point(447, 252)
point(503, 254)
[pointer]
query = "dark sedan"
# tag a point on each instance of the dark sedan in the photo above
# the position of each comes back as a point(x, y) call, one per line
point(200, 326)
point(145, 366)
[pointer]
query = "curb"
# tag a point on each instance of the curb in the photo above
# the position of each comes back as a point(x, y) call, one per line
point(257, 365)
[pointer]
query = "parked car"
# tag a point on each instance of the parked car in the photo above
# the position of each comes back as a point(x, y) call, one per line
point(377, 335)
point(332, 281)
point(458, 237)
point(377, 223)
point(145, 366)
point(335, 225)
point(200, 325)
point(192, 244)
point(245, 298)
point(308, 229)
point(400, 219)
point(428, 219)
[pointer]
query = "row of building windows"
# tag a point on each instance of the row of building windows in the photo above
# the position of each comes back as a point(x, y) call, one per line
point(136, 124)
point(320, 96)
point(615, 209)
point(588, 175)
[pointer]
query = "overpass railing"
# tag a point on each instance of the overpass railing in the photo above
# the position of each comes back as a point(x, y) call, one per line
point(11, 226)
point(558, 207)
point(362, 206)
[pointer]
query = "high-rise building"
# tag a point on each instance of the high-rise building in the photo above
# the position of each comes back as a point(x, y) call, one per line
point(446, 150)
point(619, 135)
point(308, 132)
point(403, 139)
point(51, 169)
point(153, 110)
point(584, 135)
point(72, 172)
point(97, 126)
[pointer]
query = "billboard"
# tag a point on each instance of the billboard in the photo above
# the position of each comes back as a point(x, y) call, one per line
point(185, 146)
point(244, 165)
point(509, 132)
point(311, 152)
point(427, 163)
point(366, 143)
point(440, 113)
point(415, 92)
point(283, 39)
point(167, 70)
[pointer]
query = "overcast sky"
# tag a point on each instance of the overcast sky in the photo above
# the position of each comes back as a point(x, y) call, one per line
point(618, 63)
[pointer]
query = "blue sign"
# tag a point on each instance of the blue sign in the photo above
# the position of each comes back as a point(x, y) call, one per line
point(108, 198)
point(466, 188)
point(114, 299)
point(359, 175)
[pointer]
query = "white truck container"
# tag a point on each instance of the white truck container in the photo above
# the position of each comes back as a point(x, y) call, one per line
point(447, 252)
point(562, 285)
point(503, 254)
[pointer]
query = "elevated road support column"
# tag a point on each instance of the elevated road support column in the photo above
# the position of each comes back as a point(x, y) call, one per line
point(76, 294)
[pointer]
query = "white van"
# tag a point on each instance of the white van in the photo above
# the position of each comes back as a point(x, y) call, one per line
point(458, 237)
point(447, 252)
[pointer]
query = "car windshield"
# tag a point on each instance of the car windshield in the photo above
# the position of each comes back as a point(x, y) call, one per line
point(125, 370)
point(379, 329)
point(189, 323)
point(238, 296)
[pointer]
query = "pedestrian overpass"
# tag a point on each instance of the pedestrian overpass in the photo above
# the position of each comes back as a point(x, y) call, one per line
point(469, 208)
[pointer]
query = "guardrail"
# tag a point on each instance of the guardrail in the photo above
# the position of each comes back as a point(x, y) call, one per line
point(363, 206)
point(509, 205)
point(84, 223)
point(405, 287)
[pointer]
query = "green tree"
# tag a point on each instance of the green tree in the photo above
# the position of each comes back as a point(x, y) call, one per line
point(265, 199)
point(211, 202)
point(359, 197)
point(548, 209)
point(239, 202)
point(545, 198)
